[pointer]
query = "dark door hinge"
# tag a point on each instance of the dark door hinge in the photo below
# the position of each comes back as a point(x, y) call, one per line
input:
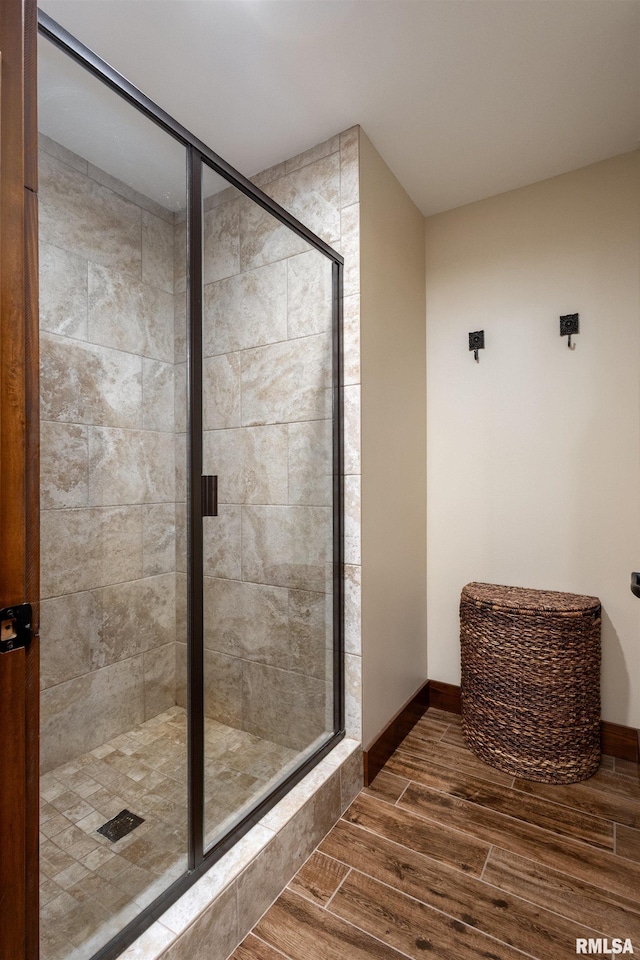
point(15, 627)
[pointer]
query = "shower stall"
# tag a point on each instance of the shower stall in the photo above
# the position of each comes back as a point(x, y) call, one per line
point(191, 503)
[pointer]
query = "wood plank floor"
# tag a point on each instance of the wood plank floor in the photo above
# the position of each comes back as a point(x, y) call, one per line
point(445, 857)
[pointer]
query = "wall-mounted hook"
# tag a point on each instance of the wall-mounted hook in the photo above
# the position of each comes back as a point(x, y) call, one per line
point(476, 342)
point(569, 325)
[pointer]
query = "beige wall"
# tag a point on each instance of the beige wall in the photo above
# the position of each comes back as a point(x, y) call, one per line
point(534, 453)
point(393, 443)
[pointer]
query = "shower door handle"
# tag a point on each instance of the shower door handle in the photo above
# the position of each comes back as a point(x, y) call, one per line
point(209, 496)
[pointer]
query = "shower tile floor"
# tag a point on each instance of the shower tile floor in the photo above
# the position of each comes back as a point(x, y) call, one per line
point(90, 888)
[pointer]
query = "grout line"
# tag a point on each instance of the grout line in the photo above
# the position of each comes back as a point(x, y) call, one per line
point(265, 942)
point(403, 846)
point(605, 794)
point(429, 907)
point(539, 906)
point(481, 877)
point(347, 874)
point(404, 790)
point(563, 837)
point(367, 933)
point(416, 758)
point(523, 793)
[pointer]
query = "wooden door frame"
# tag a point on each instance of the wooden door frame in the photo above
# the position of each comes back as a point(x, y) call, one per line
point(19, 477)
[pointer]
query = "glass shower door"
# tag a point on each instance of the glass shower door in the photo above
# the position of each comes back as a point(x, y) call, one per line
point(191, 504)
point(267, 437)
point(112, 203)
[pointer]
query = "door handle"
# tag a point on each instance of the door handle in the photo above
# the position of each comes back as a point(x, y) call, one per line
point(635, 584)
point(209, 496)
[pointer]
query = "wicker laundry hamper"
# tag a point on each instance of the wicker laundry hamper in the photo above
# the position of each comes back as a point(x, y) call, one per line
point(531, 681)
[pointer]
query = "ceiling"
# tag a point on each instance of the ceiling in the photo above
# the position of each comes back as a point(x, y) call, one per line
point(464, 99)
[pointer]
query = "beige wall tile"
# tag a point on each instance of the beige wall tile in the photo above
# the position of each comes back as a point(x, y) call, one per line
point(307, 626)
point(221, 254)
point(311, 462)
point(181, 608)
point(159, 680)
point(151, 944)
point(127, 314)
point(350, 248)
point(272, 869)
point(247, 620)
point(246, 310)
point(64, 465)
point(222, 543)
point(130, 466)
point(180, 399)
point(88, 548)
point(181, 538)
point(317, 152)
point(251, 463)
point(271, 173)
point(131, 618)
point(55, 149)
point(219, 194)
point(351, 779)
point(286, 546)
point(351, 335)
point(180, 257)
point(286, 382)
point(65, 627)
point(158, 395)
point(351, 399)
point(352, 609)
point(63, 292)
point(350, 166)
point(129, 193)
point(158, 538)
point(83, 713)
point(87, 218)
point(181, 674)
point(83, 383)
point(221, 391)
point(263, 239)
point(180, 327)
point(116, 309)
point(223, 688)
point(309, 294)
point(180, 444)
point(288, 708)
point(159, 466)
point(157, 252)
point(215, 934)
point(352, 519)
point(353, 696)
point(312, 195)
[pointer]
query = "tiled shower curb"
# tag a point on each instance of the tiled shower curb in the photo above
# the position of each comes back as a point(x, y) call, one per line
point(214, 916)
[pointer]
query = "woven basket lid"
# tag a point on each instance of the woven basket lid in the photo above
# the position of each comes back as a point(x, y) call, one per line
point(521, 598)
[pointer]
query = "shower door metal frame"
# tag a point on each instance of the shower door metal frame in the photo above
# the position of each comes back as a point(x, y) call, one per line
point(199, 154)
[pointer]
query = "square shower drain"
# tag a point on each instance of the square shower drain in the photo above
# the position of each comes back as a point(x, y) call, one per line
point(122, 824)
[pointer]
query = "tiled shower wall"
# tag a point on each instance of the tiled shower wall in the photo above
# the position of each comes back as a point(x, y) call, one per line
point(267, 434)
point(114, 442)
point(108, 464)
